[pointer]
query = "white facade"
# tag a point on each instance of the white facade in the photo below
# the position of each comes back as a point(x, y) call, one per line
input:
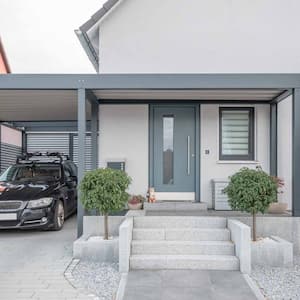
point(124, 133)
point(124, 136)
point(285, 149)
point(200, 36)
point(211, 166)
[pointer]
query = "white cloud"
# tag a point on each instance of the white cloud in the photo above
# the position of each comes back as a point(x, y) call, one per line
point(38, 35)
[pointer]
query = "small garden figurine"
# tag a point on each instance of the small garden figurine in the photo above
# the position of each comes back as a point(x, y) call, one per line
point(105, 191)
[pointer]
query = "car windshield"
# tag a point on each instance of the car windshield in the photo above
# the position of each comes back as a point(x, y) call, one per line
point(33, 172)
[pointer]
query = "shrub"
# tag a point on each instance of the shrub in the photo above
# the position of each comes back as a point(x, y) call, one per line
point(105, 191)
point(251, 191)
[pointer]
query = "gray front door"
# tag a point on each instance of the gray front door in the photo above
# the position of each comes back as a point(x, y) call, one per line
point(174, 148)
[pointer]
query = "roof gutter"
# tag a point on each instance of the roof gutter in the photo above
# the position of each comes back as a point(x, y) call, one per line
point(88, 47)
point(83, 36)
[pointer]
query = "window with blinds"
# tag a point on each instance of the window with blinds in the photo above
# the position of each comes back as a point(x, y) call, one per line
point(237, 133)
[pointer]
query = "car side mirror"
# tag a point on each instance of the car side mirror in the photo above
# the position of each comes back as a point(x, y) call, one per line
point(71, 181)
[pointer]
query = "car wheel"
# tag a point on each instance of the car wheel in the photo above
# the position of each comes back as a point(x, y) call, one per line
point(59, 216)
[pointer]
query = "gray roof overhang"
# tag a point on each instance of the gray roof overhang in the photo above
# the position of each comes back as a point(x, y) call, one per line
point(150, 81)
point(40, 97)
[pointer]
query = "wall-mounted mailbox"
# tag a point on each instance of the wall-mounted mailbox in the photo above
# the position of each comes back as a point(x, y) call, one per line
point(116, 165)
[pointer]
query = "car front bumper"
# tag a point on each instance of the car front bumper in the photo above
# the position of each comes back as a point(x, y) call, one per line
point(25, 218)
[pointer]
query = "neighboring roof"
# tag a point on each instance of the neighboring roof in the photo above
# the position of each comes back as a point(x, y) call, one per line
point(3, 57)
point(84, 32)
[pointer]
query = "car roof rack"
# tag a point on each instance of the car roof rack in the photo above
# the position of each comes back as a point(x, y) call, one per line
point(39, 157)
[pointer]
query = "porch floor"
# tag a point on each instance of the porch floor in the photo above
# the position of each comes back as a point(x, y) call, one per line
point(210, 212)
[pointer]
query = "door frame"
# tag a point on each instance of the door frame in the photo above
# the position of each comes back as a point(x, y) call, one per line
point(197, 108)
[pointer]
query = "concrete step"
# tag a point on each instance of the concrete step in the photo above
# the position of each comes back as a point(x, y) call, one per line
point(180, 222)
point(190, 262)
point(181, 234)
point(175, 206)
point(182, 247)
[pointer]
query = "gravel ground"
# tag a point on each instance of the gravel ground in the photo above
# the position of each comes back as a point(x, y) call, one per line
point(100, 279)
point(279, 283)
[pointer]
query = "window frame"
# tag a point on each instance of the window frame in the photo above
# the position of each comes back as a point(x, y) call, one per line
point(251, 138)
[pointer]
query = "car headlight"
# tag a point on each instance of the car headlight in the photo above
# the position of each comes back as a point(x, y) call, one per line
point(43, 202)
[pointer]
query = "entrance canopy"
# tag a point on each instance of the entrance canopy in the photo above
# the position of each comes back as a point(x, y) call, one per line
point(54, 97)
point(63, 97)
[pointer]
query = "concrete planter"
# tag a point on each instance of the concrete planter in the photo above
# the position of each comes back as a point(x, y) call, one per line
point(95, 248)
point(277, 208)
point(273, 251)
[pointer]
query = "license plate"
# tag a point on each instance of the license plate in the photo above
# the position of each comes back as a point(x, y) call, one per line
point(8, 217)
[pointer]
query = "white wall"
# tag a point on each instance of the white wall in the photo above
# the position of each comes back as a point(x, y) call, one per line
point(285, 148)
point(124, 135)
point(211, 167)
point(201, 36)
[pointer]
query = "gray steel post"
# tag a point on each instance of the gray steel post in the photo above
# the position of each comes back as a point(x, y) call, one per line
point(273, 139)
point(296, 153)
point(94, 134)
point(81, 154)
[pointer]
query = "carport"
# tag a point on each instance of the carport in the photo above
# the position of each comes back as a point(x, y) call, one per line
point(77, 97)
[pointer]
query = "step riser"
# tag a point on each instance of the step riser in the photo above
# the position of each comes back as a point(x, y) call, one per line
point(189, 264)
point(181, 234)
point(185, 249)
point(180, 222)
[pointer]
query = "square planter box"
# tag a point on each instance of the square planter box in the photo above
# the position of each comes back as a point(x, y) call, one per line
point(273, 251)
point(95, 248)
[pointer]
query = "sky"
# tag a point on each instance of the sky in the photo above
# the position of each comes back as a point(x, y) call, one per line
point(38, 35)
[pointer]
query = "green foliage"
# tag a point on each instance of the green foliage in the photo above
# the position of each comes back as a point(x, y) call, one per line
point(104, 190)
point(251, 191)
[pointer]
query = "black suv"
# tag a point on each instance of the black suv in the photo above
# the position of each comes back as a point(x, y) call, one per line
point(39, 191)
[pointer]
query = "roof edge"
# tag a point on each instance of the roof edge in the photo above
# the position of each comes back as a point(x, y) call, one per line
point(88, 48)
point(83, 29)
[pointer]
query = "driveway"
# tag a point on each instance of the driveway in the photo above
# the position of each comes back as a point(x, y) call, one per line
point(187, 285)
point(32, 264)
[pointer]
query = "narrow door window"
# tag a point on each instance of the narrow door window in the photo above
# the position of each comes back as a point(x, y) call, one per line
point(168, 150)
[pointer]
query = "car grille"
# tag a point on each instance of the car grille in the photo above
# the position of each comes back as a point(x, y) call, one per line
point(10, 205)
point(8, 223)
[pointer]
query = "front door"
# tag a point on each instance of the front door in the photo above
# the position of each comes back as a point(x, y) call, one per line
point(174, 149)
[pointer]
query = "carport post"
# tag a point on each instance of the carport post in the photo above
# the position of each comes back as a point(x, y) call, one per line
point(81, 154)
point(296, 153)
point(273, 139)
point(94, 134)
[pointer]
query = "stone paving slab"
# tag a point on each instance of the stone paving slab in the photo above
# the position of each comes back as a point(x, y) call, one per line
point(187, 285)
point(32, 264)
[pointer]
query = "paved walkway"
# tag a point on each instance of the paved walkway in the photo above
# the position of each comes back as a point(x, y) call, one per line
point(187, 285)
point(32, 264)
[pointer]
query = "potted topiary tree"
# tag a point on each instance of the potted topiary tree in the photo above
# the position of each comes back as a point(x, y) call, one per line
point(251, 191)
point(104, 190)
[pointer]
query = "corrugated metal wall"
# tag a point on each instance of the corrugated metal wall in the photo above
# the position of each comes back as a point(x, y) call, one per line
point(88, 151)
point(66, 143)
point(43, 142)
point(8, 155)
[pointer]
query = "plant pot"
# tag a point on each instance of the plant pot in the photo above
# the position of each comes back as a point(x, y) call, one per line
point(277, 208)
point(136, 206)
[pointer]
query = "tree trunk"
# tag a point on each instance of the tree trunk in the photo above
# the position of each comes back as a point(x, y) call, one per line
point(254, 226)
point(106, 226)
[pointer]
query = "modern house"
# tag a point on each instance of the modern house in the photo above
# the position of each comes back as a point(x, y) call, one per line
point(186, 93)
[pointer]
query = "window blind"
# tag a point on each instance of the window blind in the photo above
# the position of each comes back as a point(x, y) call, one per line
point(235, 132)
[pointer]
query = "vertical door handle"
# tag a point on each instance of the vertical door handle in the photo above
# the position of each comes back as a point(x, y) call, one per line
point(188, 155)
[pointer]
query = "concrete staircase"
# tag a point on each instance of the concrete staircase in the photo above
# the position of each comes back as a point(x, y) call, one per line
point(182, 243)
